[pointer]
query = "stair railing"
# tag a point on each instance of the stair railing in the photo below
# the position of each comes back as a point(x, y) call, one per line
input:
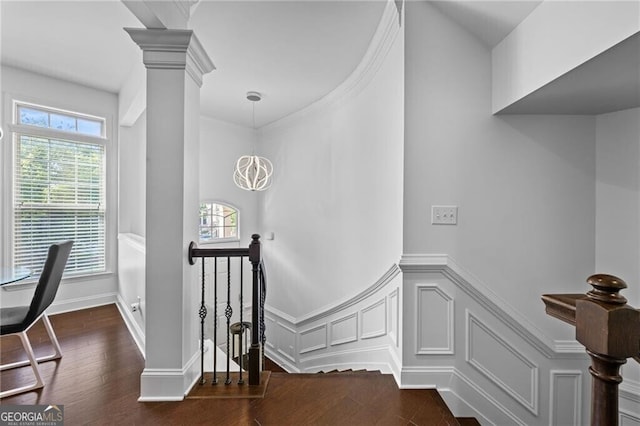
point(610, 331)
point(257, 308)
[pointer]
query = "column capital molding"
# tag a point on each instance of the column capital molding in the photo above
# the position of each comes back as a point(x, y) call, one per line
point(172, 49)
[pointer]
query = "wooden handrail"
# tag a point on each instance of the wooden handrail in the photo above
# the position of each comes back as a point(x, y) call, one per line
point(610, 331)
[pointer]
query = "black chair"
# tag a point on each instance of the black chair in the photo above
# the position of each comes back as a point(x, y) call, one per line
point(18, 320)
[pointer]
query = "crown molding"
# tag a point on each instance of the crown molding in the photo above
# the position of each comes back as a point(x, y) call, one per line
point(381, 42)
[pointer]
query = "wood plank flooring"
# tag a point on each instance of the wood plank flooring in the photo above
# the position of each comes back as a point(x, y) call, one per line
point(98, 381)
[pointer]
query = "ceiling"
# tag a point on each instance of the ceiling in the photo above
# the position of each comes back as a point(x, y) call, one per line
point(490, 21)
point(293, 52)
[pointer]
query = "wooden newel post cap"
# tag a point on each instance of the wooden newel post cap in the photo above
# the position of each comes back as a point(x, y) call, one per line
point(605, 324)
point(606, 289)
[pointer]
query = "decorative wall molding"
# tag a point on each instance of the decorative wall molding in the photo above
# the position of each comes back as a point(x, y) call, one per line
point(463, 396)
point(630, 390)
point(344, 330)
point(286, 342)
point(381, 42)
point(374, 320)
point(348, 334)
point(313, 339)
point(504, 368)
point(270, 324)
point(513, 369)
point(394, 317)
point(375, 358)
point(628, 419)
point(340, 306)
point(481, 294)
point(435, 322)
point(565, 402)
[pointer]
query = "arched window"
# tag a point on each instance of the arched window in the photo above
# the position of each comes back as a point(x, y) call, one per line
point(218, 222)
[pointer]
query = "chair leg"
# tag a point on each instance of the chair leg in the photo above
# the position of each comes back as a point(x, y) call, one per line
point(54, 341)
point(34, 366)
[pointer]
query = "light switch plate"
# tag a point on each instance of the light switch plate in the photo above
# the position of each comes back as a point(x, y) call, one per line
point(444, 215)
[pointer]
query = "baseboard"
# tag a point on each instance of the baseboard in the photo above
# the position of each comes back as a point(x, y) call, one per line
point(281, 361)
point(132, 325)
point(161, 384)
point(168, 384)
point(370, 359)
point(79, 303)
point(463, 397)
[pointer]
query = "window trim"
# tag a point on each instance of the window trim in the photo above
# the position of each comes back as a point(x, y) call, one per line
point(51, 110)
point(226, 239)
point(7, 160)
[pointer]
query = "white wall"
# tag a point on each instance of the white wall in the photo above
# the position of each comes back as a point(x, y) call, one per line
point(618, 208)
point(30, 87)
point(555, 38)
point(335, 206)
point(524, 184)
point(221, 144)
point(132, 168)
point(618, 198)
point(132, 177)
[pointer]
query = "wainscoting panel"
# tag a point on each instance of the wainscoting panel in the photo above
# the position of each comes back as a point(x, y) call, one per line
point(565, 398)
point(628, 419)
point(361, 332)
point(344, 330)
point(503, 370)
point(313, 339)
point(504, 365)
point(374, 320)
point(394, 317)
point(435, 326)
point(287, 342)
point(270, 324)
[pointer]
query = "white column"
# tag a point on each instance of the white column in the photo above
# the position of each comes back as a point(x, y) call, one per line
point(175, 62)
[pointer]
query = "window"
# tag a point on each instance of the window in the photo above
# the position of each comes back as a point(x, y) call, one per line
point(58, 187)
point(218, 222)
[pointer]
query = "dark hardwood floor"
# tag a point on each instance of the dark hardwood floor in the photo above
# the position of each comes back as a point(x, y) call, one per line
point(98, 381)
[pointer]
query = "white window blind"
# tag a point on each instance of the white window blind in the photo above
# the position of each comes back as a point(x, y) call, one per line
point(59, 194)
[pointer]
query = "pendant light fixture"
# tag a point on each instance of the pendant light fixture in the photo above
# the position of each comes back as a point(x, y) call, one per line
point(253, 173)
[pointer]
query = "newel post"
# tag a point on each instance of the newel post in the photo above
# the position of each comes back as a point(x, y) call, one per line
point(254, 349)
point(610, 331)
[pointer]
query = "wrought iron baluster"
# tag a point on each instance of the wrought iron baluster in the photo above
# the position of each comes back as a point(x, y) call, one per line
point(242, 330)
point(256, 327)
point(228, 312)
point(214, 380)
point(203, 315)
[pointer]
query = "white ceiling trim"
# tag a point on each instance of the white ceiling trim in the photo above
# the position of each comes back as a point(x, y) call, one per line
point(381, 42)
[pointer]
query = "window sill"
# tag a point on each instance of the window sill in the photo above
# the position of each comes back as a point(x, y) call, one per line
point(31, 282)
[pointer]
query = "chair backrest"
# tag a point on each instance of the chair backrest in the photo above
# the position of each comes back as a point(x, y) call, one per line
point(49, 279)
